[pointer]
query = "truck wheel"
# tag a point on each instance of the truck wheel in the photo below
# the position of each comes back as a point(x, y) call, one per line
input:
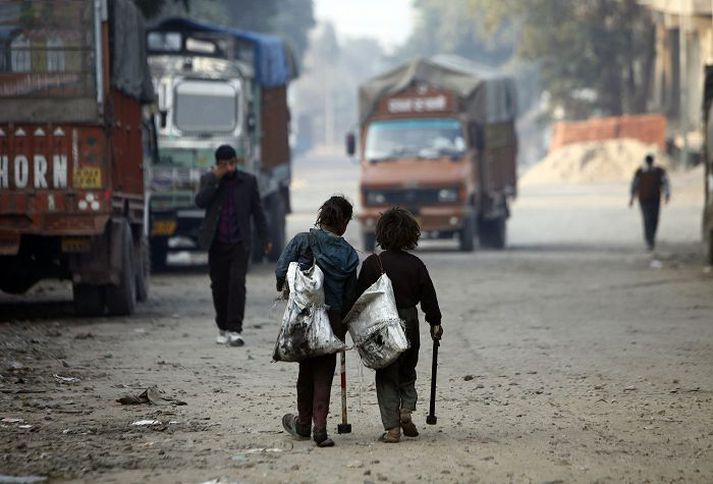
point(277, 228)
point(369, 240)
point(466, 236)
point(18, 282)
point(159, 253)
point(121, 298)
point(492, 233)
point(88, 300)
point(143, 269)
point(710, 248)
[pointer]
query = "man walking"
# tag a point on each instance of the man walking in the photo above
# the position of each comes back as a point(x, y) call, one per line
point(649, 182)
point(230, 198)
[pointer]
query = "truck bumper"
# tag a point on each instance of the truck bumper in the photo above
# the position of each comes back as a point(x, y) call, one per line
point(434, 221)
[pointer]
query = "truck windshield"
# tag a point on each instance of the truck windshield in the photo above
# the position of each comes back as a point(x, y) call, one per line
point(47, 48)
point(185, 158)
point(419, 138)
point(206, 107)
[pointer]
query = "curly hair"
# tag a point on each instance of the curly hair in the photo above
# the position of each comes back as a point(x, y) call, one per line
point(397, 229)
point(335, 212)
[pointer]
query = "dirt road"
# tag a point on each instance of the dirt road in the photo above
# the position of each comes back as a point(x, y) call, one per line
point(573, 356)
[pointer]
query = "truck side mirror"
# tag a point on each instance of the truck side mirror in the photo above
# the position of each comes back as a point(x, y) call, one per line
point(252, 123)
point(163, 117)
point(351, 144)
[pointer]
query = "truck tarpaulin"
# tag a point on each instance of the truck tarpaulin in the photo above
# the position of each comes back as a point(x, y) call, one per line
point(486, 98)
point(130, 69)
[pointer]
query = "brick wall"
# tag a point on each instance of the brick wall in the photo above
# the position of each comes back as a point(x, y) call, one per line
point(647, 128)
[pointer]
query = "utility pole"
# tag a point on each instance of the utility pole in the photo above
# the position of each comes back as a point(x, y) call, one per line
point(684, 17)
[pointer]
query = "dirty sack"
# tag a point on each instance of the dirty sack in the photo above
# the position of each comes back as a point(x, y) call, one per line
point(375, 326)
point(152, 395)
point(305, 331)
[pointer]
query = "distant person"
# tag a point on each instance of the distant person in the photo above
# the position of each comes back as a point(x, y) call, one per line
point(338, 261)
point(648, 185)
point(397, 232)
point(230, 198)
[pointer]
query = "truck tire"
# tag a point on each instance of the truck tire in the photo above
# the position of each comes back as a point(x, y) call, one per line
point(467, 235)
point(493, 233)
point(710, 248)
point(121, 298)
point(89, 300)
point(19, 282)
point(369, 240)
point(143, 269)
point(277, 228)
point(159, 253)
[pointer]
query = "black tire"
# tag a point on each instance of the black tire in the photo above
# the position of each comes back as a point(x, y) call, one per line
point(277, 228)
point(159, 253)
point(369, 240)
point(121, 298)
point(143, 269)
point(89, 301)
point(467, 235)
point(493, 233)
point(17, 282)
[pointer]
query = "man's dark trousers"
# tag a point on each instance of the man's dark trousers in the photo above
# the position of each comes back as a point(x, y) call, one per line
point(228, 266)
point(650, 213)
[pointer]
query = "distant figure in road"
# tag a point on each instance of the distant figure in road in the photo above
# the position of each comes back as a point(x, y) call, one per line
point(648, 184)
point(397, 232)
point(338, 261)
point(230, 198)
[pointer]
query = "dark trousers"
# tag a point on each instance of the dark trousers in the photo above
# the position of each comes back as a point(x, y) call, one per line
point(314, 384)
point(650, 214)
point(396, 384)
point(228, 265)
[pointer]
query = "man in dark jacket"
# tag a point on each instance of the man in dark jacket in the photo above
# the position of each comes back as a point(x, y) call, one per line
point(230, 198)
point(648, 184)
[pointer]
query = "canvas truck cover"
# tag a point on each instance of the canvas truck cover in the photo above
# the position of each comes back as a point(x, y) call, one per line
point(48, 58)
point(274, 61)
point(483, 96)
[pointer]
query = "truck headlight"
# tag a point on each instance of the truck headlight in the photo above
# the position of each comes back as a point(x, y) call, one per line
point(375, 198)
point(447, 195)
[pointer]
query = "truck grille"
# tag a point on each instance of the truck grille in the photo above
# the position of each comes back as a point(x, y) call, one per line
point(404, 197)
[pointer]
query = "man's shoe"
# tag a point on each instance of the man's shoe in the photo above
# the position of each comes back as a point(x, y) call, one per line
point(407, 424)
point(222, 337)
point(292, 427)
point(234, 339)
point(391, 436)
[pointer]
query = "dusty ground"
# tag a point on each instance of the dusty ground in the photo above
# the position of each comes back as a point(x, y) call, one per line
point(573, 356)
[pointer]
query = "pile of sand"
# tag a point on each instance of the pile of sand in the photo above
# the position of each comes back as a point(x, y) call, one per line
point(593, 162)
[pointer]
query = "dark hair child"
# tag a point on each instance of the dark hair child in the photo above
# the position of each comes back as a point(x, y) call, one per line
point(338, 261)
point(396, 232)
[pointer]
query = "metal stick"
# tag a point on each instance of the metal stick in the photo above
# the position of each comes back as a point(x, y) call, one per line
point(344, 427)
point(432, 419)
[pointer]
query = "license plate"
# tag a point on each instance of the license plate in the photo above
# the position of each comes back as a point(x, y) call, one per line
point(88, 177)
point(76, 244)
point(163, 227)
point(9, 244)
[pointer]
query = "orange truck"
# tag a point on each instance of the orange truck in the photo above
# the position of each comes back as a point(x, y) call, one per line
point(76, 135)
point(438, 138)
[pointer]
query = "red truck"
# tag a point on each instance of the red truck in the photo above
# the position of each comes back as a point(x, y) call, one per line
point(438, 137)
point(76, 135)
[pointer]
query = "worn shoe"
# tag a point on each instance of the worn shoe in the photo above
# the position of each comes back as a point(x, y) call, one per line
point(235, 339)
point(391, 436)
point(407, 424)
point(222, 337)
point(322, 439)
point(292, 427)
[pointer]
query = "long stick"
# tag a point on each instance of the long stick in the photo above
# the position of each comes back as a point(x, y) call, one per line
point(344, 427)
point(432, 419)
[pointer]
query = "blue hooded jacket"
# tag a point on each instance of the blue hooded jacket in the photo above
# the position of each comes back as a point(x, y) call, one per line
point(337, 259)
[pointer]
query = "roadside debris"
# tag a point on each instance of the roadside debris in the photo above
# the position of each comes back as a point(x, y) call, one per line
point(4, 479)
point(142, 423)
point(152, 395)
point(66, 379)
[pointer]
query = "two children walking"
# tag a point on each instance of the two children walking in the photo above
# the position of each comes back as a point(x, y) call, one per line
point(396, 232)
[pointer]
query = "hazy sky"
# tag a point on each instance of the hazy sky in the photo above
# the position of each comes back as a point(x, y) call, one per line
point(390, 21)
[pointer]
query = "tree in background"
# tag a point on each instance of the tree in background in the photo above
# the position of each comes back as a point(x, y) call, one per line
point(593, 56)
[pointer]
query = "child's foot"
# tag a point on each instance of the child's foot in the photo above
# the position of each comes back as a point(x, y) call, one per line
point(322, 439)
point(292, 427)
point(391, 436)
point(407, 424)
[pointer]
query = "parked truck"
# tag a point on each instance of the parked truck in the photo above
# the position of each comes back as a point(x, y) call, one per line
point(75, 137)
point(217, 86)
point(438, 138)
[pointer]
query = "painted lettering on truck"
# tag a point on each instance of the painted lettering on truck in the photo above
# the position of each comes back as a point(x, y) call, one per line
point(22, 166)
